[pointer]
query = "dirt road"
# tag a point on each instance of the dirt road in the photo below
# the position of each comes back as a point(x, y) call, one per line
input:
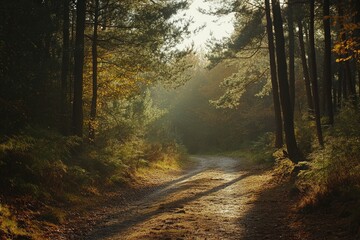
point(218, 199)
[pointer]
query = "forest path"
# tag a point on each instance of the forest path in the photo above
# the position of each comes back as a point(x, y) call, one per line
point(217, 199)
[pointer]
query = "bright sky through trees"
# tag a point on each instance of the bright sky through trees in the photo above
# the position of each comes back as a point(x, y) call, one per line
point(204, 26)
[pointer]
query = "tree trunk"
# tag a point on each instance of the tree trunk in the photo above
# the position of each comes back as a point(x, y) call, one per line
point(291, 52)
point(313, 70)
point(72, 53)
point(77, 123)
point(335, 98)
point(358, 74)
point(286, 106)
point(350, 82)
point(344, 82)
point(339, 85)
point(327, 72)
point(305, 68)
point(94, 76)
point(275, 88)
point(65, 66)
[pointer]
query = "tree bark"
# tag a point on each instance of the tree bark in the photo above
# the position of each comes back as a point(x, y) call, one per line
point(327, 72)
point(94, 76)
point(305, 68)
point(291, 52)
point(77, 123)
point(350, 82)
point(72, 53)
point(358, 74)
point(286, 106)
point(275, 88)
point(344, 82)
point(313, 71)
point(65, 63)
point(339, 85)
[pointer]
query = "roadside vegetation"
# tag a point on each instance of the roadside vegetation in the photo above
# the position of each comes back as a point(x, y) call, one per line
point(42, 171)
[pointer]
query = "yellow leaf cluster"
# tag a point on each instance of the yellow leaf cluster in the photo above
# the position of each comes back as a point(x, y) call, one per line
point(347, 46)
point(115, 80)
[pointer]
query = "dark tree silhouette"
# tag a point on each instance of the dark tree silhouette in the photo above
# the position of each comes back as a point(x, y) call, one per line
point(65, 64)
point(95, 70)
point(327, 72)
point(305, 67)
point(274, 81)
point(286, 106)
point(77, 118)
point(290, 16)
point(313, 73)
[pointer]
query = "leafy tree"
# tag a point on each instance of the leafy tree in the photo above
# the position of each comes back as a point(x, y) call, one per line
point(130, 49)
point(245, 46)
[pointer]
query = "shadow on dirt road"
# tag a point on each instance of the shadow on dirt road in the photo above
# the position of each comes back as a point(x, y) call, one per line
point(218, 199)
point(186, 204)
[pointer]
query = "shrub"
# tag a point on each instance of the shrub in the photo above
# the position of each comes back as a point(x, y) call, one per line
point(262, 149)
point(34, 160)
point(305, 131)
point(335, 169)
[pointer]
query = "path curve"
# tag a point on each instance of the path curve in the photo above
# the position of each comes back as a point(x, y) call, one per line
point(206, 203)
point(220, 198)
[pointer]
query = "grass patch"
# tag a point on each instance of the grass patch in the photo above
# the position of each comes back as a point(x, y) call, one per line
point(9, 228)
point(170, 161)
point(256, 152)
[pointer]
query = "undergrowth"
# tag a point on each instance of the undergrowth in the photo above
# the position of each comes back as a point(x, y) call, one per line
point(57, 170)
point(335, 169)
point(259, 151)
point(9, 228)
point(334, 173)
point(35, 162)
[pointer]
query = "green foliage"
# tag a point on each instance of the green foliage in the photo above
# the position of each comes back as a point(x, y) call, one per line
point(125, 118)
point(244, 79)
point(258, 151)
point(124, 134)
point(194, 122)
point(130, 137)
point(41, 163)
point(347, 121)
point(262, 149)
point(304, 131)
point(249, 29)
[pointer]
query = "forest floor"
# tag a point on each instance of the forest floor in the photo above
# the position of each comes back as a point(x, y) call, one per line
point(217, 198)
